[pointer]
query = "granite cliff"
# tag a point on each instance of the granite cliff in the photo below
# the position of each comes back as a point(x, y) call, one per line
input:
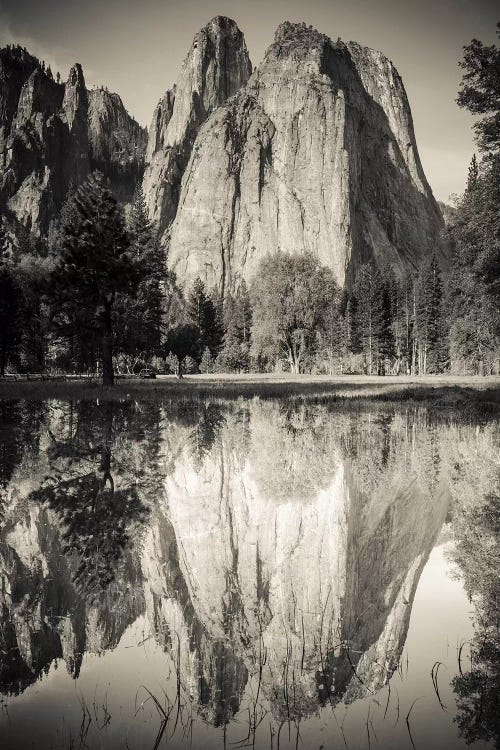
point(316, 152)
point(53, 134)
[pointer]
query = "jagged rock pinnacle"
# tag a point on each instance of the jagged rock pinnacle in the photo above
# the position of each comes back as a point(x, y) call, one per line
point(216, 66)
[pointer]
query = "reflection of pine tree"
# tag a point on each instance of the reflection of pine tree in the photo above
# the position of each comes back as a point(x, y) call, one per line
point(97, 518)
point(97, 524)
point(205, 433)
point(478, 556)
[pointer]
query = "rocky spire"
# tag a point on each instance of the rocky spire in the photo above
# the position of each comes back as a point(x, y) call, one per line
point(216, 66)
point(76, 131)
point(75, 107)
point(116, 142)
point(75, 103)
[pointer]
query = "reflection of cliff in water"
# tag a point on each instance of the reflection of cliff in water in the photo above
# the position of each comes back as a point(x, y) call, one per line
point(270, 544)
point(301, 549)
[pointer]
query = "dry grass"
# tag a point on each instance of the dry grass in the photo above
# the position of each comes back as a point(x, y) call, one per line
point(440, 391)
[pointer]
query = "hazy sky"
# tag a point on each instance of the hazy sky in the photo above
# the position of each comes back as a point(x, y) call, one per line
point(135, 47)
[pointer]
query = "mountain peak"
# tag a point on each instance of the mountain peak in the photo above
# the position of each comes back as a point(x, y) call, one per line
point(216, 67)
point(297, 34)
point(76, 77)
point(222, 22)
point(75, 102)
point(316, 154)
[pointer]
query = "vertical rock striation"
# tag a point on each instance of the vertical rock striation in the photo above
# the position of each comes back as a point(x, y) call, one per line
point(216, 66)
point(316, 153)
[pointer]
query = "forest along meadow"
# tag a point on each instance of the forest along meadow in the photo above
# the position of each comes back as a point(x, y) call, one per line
point(247, 562)
point(248, 573)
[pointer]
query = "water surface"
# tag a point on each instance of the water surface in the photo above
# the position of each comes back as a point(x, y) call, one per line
point(251, 574)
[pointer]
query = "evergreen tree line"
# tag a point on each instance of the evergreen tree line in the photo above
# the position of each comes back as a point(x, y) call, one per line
point(89, 297)
point(96, 294)
point(97, 297)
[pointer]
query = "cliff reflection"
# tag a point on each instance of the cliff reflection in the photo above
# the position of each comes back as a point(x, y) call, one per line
point(305, 555)
point(274, 550)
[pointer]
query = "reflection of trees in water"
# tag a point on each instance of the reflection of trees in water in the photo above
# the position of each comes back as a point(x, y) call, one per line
point(104, 473)
point(70, 578)
point(98, 519)
point(293, 452)
point(205, 432)
point(476, 524)
point(98, 524)
point(297, 447)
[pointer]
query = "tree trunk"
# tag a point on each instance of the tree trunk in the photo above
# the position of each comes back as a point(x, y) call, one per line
point(108, 377)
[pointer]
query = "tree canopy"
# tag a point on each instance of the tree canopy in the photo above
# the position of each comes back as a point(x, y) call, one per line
point(292, 295)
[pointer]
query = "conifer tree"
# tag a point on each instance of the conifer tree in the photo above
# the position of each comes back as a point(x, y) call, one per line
point(141, 316)
point(237, 321)
point(428, 321)
point(9, 304)
point(202, 314)
point(480, 91)
point(474, 290)
point(371, 311)
point(244, 312)
point(206, 364)
point(95, 262)
point(473, 173)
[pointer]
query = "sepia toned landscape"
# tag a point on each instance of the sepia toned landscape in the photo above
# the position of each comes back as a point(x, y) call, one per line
point(249, 375)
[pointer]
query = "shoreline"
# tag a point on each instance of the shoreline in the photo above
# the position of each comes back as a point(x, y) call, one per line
point(440, 390)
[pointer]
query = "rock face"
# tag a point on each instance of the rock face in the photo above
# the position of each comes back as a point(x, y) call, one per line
point(216, 66)
point(297, 554)
point(53, 134)
point(117, 142)
point(315, 153)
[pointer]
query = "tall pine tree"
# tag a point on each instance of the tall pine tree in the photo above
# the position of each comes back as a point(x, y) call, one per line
point(371, 315)
point(202, 314)
point(141, 316)
point(95, 262)
point(429, 330)
point(10, 304)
